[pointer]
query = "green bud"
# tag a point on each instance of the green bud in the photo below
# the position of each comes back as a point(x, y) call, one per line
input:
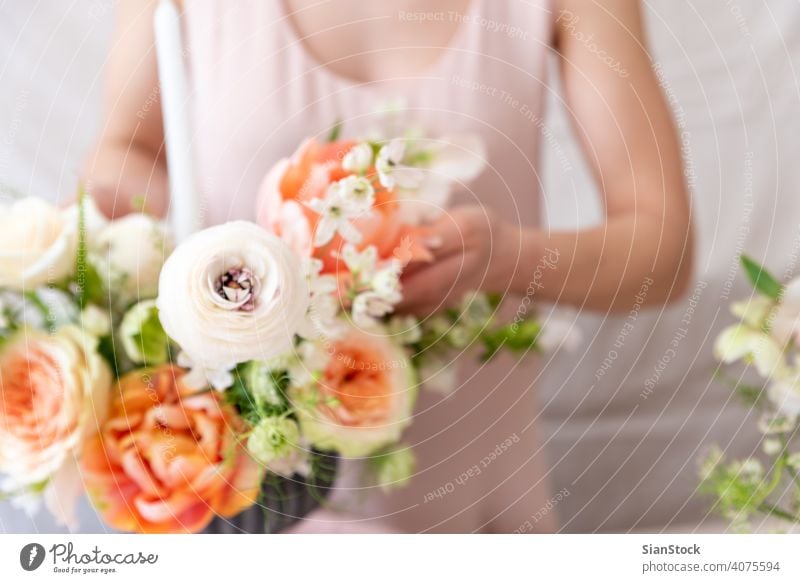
point(394, 468)
point(274, 438)
point(143, 338)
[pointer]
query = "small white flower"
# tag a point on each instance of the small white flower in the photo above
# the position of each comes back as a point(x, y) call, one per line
point(308, 364)
point(358, 159)
point(336, 215)
point(393, 171)
point(753, 311)
point(770, 423)
point(357, 193)
point(739, 342)
point(199, 377)
point(405, 329)
point(386, 282)
point(323, 309)
point(95, 321)
point(784, 394)
point(424, 172)
point(475, 309)
point(785, 321)
point(460, 335)
point(360, 263)
point(322, 320)
point(771, 446)
point(437, 373)
point(368, 307)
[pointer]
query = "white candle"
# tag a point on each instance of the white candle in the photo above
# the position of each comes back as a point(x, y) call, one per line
point(184, 207)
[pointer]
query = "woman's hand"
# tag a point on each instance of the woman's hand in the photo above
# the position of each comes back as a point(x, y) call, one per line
point(473, 250)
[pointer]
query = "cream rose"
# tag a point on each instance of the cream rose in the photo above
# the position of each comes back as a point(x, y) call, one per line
point(38, 243)
point(231, 294)
point(129, 253)
point(54, 393)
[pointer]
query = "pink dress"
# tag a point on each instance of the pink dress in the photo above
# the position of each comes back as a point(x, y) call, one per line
point(258, 93)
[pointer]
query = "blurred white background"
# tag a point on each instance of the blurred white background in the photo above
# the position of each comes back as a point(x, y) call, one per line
point(627, 456)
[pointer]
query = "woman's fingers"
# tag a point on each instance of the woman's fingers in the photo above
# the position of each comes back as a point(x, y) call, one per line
point(436, 285)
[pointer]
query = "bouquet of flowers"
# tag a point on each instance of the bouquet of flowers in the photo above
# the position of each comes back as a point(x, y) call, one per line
point(766, 338)
point(171, 384)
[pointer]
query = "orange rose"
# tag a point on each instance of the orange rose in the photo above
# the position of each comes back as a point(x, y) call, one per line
point(307, 175)
point(168, 460)
point(364, 399)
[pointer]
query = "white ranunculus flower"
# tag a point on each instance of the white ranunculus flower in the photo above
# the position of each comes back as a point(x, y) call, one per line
point(38, 244)
point(129, 253)
point(231, 294)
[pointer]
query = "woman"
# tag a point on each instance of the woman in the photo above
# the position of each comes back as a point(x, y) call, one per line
point(266, 74)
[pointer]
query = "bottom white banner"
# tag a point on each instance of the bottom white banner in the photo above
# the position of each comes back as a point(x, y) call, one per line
point(389, 558)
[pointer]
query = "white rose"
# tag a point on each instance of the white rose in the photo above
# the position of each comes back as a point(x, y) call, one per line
point(129, 254)
point(231, 294)
point(38, 244)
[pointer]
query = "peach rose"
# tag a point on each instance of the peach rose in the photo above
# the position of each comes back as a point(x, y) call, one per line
point(53, 394)
point(168, 460)
point(364, 398)
point(293, 182)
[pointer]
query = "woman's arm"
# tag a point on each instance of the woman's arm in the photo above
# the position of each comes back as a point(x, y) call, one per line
point(127, 168)
point(627, 135)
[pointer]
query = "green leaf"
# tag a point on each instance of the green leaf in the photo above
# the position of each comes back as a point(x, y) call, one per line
point(151, 339)
point(250, 385)
point(335, 132)
point(107, 350)
point(761, 279)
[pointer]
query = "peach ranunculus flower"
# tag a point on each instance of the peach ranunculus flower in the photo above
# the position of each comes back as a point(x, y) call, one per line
point(364, 398)
point(168, 459)
point(290, 185)
point(54, 392)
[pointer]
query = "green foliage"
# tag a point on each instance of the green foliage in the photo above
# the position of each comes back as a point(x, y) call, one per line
point(735, 486)
point(90, 288)
point(106, 349)
point(336, 131)
point(151, 340)
point(518, 337)
point(762, 280)
point(268, 400)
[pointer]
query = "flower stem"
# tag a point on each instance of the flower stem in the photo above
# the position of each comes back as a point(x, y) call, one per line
point(778, 512)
